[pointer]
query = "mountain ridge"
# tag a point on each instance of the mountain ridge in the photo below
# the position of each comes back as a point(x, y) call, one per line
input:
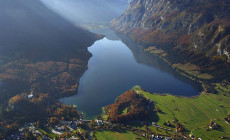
point(184, 33)
point(172, 21)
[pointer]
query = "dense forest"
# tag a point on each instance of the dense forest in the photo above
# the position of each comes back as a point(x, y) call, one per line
point(129, 106)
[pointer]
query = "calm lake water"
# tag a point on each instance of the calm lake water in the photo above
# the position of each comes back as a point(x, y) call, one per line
point(116, 66)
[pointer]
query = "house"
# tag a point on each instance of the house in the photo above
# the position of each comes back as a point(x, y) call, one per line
point(152, 136)
point(213, 126)
point(144, 135)
point(154, 124)
point(59, 128)
point(167, 138)
point(30, 96)
point(21, 129)
point(36, 132)
point(191, 136)
point(99, 122)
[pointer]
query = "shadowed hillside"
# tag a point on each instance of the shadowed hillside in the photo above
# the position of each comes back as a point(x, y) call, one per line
point(30, 25)
point(41, 55)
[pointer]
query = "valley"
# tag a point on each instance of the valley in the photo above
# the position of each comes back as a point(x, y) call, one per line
point(158, 70)
point(114, 62)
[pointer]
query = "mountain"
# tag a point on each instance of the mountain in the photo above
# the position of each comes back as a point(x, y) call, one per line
point(30, 23)
point(205, 24)
point(39, 50)
point(42, 57)
point(193, 31)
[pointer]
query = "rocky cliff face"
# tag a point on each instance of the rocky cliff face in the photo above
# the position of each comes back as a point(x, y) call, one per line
point(198, 25)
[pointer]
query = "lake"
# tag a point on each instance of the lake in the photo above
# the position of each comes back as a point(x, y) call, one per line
point(116, 66)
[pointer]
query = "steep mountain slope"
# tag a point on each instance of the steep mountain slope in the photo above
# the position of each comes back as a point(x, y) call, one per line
point(42, 57)
point(195, 31)
point(39, 50)
point(30, 23)
point(206, 23)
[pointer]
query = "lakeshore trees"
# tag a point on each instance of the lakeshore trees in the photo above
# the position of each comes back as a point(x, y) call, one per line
point(129, 106)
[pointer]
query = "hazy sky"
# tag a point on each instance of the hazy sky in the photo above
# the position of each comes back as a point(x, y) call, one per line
point(87, 10)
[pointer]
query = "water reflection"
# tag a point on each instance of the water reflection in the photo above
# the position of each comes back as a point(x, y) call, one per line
point(155, 61)
point(117, 66)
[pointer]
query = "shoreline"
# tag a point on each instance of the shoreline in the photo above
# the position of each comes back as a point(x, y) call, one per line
point(204, 90)
point(161, 94)
point(180, 72)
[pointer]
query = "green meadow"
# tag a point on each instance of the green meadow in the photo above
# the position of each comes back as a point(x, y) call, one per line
point(194, 113)
point(113, 135)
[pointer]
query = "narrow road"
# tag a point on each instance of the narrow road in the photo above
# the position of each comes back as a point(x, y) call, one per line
point(222, 117)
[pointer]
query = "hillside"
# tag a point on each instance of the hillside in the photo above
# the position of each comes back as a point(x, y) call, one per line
point(30, 23)
point(170, 116)
point(37, 45)
point(206, 23)
point(42, 57)
point(189, 31)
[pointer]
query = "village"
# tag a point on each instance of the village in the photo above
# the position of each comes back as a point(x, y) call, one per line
point(80, 128)
point(86, 129)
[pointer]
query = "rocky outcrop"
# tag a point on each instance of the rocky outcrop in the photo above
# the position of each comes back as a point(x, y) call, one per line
point(199, 25)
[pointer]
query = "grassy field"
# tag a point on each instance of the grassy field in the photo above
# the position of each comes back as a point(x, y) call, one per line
point(125, 111)
point(154, 50)
point(193, 70)
point(222, 88)
point(194, 113)
point(113, 135)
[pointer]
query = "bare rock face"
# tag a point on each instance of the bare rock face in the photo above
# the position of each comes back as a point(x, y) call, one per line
point(198, 25)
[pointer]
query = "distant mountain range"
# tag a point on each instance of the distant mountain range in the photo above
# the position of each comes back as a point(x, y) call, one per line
point(80, 11)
